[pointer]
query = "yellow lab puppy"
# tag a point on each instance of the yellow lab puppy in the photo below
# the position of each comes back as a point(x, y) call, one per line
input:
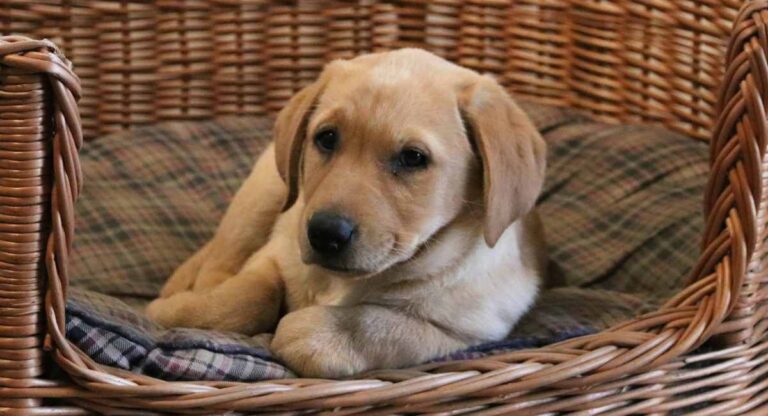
point(390, 219)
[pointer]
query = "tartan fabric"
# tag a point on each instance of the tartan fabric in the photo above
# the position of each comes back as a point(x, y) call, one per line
point(114, 334)
point(622, 205)
point(621, 209)
point(153, 195)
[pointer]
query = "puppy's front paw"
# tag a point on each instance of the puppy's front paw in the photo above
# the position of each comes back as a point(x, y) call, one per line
point(310, 343)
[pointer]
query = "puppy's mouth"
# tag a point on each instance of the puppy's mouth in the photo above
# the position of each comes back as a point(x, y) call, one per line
point(376, 266)
point(420, 248)
point(337, 268)
point(343, 270)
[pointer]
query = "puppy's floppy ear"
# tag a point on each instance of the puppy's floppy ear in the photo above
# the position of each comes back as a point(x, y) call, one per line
point(289, 134)
point(512, 151)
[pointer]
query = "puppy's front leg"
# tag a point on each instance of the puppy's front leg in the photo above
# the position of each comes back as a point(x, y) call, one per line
point(184, 277)
point(244, 229)
point(248, 303)
point(338, 341)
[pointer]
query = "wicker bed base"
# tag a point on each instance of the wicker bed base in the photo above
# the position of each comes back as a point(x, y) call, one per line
point(643, 366)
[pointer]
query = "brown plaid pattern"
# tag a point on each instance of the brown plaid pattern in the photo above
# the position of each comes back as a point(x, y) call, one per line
point(153, 196)
point(622, 205)
point(621, 208)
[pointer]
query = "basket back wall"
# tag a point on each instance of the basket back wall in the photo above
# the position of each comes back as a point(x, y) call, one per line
point(144, 61)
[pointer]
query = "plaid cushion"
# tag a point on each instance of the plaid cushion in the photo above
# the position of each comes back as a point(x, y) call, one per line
point(621, 209)
point(153, 195)
point(114, 334)
point(622, 204)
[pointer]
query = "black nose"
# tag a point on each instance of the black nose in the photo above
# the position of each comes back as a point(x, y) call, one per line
point(329, 233)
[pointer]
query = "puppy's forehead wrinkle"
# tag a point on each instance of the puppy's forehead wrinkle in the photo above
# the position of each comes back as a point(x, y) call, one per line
point(396, 119)
point(352, 172)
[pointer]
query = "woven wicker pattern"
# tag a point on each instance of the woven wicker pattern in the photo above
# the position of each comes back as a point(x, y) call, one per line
point(39, 180)
point(143, 61)
point(655, 60)
point(24, 196)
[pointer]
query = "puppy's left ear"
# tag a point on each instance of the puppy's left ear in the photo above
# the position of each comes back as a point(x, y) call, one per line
point(512, 151)
point(289, 133)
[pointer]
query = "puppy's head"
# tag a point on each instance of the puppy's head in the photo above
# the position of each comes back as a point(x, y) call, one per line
point(387, 150)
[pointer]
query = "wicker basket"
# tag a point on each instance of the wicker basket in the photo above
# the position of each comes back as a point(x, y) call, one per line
point(657, 61)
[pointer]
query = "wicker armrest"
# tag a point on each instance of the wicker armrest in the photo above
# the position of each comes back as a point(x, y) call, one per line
point(39, 180)
point(735, 200)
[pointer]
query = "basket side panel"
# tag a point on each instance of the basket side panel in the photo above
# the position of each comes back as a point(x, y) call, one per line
point(24, 195)
point(738, 154)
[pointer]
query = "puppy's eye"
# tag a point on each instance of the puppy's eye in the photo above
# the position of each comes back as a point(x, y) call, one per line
point(411, 158)
point(327, 140)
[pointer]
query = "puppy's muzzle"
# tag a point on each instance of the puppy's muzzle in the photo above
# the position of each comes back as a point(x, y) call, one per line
point(330, 234)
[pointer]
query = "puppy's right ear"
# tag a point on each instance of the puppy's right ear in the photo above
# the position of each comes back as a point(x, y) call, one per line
point(511, 149)
point(289, 134)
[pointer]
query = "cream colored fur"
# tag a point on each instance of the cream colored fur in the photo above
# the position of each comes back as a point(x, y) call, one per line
point(447, 257)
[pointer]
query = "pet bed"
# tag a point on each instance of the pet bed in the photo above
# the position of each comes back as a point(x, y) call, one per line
point(697, 67)
point(621, 207)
